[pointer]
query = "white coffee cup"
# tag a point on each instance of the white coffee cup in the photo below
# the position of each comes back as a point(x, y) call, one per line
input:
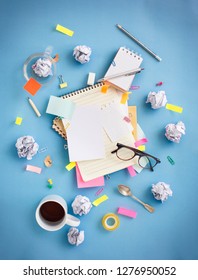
point(51, 213)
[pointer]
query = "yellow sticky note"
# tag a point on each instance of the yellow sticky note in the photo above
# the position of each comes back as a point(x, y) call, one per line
point(104, 88)
point(70, 166)
point(100, 200)
point(18, 120)
point(124, 98)
point(174, 108)
point(141, 148)
point(64, 30)
point(63, 85)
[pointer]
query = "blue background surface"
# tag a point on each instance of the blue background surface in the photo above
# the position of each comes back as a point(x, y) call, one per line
point(170, 29)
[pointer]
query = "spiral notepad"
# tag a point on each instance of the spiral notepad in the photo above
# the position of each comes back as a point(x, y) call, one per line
point(91, 169)
point(125, 60)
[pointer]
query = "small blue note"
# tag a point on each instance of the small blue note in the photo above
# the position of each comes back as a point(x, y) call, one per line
point(60, 107)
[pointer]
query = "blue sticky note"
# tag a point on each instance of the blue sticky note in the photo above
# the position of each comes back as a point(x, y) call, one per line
point(60, 107)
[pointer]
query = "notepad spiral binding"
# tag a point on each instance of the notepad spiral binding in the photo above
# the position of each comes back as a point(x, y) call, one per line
point(132, 52)
point(57, 124)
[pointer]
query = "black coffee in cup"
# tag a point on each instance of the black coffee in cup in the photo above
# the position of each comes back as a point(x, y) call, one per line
point(52, 211)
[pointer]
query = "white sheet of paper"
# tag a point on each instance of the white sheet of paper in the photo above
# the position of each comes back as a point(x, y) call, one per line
point(113, 123)
point(60, 107)
point(85, 134)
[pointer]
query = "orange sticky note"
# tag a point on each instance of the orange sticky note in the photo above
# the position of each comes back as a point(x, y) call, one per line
point(133, 117)
point(124, 98)
point(32, 86)
point(104, 88)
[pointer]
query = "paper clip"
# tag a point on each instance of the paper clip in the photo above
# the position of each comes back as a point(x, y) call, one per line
point(65, 147)
point(126, 119)
point(62, 83)
point(170, 160)
point(108, 177)
point(42, 150)
point(99, 191)
point(134, 87)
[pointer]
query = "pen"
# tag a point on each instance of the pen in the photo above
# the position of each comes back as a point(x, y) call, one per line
point(34, 107)
point(138, 42)
point(126, 73)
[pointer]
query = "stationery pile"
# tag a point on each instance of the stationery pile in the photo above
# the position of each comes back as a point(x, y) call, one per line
point(94, 120)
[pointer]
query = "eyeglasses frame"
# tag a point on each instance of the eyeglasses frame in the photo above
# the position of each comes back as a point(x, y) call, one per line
point(137, 153)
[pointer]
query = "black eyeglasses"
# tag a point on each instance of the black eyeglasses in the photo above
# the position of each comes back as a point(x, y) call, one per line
point(144, 160)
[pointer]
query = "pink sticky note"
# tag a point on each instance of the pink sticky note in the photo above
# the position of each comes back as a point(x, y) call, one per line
point(98, 182)
point(140, 142)
point(32, 168)
point(127, 212)
point(131, 171)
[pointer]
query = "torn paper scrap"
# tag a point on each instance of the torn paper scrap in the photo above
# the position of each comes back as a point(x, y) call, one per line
point(26, 147)
point(127, 212)
point(85, 134)
point(82, 54)
point(161, 191)
point(174, 132)
point(99, 200)
point(42, 67)
point(75, 237)
point(157, 99)
point(64, 30)
point(88, 184)
point(48, 161)
point(60, 107)
point(33, 168)
point(81, 205)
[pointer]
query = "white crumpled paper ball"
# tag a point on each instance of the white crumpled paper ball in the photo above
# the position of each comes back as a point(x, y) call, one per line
point(82, 54)
point(26, 147)
point(42, 67)
point(75, 237)
point(174, 132)
point(81, 205)
point(157, 99)
point(161, 191)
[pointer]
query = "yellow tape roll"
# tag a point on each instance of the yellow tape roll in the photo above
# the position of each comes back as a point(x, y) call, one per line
point(112, 216)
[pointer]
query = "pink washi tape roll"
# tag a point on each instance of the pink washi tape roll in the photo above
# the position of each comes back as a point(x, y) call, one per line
point(127, 212)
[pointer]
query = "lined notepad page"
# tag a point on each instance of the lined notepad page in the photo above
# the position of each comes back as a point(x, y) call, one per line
point(95, 168)
point(125, 60)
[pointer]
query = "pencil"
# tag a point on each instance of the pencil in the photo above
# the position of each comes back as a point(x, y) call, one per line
point(34, 107)
point(138, 42)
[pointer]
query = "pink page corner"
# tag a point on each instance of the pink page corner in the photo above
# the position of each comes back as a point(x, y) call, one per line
point(98, 182)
